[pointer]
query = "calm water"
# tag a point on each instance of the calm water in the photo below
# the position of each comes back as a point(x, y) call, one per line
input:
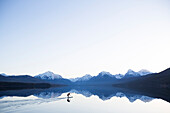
point(83, 100)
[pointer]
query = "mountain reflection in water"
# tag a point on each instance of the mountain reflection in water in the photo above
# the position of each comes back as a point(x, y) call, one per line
point(104, 93)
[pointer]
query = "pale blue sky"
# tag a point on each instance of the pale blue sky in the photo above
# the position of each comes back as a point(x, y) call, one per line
point(76, 37)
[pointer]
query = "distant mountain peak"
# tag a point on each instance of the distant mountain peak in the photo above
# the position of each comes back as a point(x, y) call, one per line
point(3, 74)
point(144, 72)
point(130, 71)
point(104, 73)
point(83, 78)
point(48, 72)
point(49, 76)
point(87, 75)
point(119, 76)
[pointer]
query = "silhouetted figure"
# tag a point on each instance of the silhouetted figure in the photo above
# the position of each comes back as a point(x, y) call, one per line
point(68, 98)
point(68, 94)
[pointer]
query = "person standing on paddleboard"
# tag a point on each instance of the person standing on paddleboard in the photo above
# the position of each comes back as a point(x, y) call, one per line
point(68, 94)
point(68, 100)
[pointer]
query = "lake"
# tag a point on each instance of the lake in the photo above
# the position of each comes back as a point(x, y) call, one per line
point(90, 99)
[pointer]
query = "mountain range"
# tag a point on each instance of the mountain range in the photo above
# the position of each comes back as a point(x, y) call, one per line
point(103, 78)
point(51, 76)
point(159, 80)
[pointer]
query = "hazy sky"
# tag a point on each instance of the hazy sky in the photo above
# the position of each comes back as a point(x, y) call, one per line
point(75, 37)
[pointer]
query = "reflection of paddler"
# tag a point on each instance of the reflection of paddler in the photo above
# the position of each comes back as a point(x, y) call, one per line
point(68, 94)
point(68, 100)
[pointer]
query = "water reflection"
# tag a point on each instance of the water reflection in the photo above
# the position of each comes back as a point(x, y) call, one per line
point(104, 93)
point(64, 99)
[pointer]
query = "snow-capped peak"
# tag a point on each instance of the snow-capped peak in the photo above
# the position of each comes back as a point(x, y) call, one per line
point(83, 78)
point(119, 76)
point(130, 72)
point(139, 73)
point(86, 77)
point(144, 72)
point(3, 74)
point(104, 73)
point(48, 75)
